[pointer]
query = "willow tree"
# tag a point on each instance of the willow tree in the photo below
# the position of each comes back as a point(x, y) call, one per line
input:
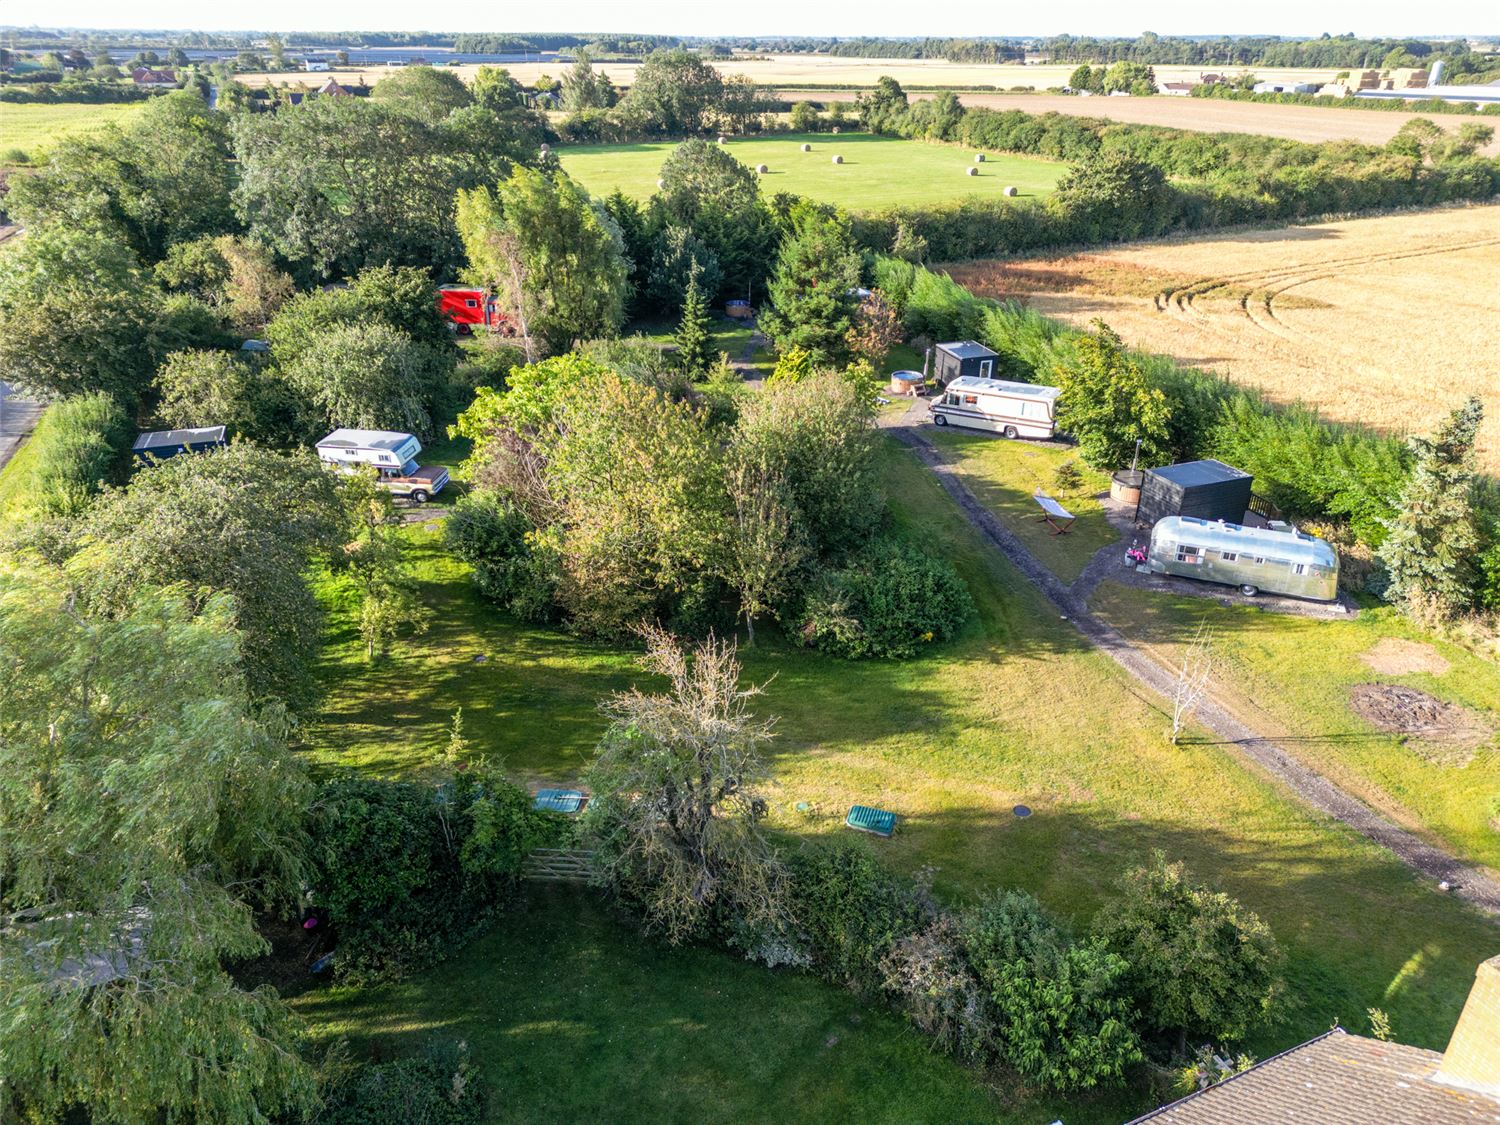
point(145, 815)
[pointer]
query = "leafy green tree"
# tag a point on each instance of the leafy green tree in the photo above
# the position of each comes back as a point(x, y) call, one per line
point(370, 376)
point(1130, 77)
point(511, 563)
point(1084, 77)
point(402, 298)
point(424, 92)
point(584, 89)
point(1113, 195)
point(883, 107)
point(674, 93)
point(77, 315)
point(693, 336)
point(677, 254)
point(1433, 539)
point(552, 250)
point(811, 289)
point(1201, 964)
point(237, 277)
point(817, 436)
point(335, 184)
point(164, 178)
point(710, 193)
point(242, 521)
point(377, 568)
point(805, 117)
point(1063, 1011)
point(1108, 404)
point(232, 389)
point(148, 814)
point(676, 815)
point(765, 548)
point(638, 479)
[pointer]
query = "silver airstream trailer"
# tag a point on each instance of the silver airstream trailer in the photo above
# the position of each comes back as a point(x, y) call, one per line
point(1278, 559)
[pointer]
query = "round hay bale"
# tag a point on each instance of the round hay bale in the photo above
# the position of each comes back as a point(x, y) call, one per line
point(723, 140)
point(807, 148)
point(661, 183)
point(973, 171)
point(979, 158)
point(835, 128)
point(1010, 191)
point(762, 169)
point(838, 159)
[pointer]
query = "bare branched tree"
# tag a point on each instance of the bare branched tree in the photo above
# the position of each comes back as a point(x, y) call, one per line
point(676, 817)
point(1193, 677)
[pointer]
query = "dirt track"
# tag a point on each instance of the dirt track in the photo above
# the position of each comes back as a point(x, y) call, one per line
point(1306, 784)
point(1205, 115)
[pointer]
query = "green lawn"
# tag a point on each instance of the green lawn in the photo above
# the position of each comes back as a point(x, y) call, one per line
point(1017, 710)
point(32, 128)
point(877, 171)
point(575, 1018)
point(1004, 475)
point(1295, 674)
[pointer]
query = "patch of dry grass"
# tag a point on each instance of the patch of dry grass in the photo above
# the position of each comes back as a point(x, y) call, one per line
point(1386, 321)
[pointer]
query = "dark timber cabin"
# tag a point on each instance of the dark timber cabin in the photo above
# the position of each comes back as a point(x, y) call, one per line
point(1205, 490)
point(963, 357)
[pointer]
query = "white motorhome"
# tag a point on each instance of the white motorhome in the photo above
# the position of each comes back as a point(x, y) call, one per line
point(998, 405)
point(389, 452)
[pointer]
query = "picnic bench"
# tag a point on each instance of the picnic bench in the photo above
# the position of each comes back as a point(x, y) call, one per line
point(1058, 518)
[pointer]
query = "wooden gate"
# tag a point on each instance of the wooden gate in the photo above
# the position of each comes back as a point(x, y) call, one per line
point(558, 865)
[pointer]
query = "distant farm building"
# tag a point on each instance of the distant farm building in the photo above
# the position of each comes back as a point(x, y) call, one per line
point(1175, 89)
point(315, 64)
point(161, 79)
point(1285, 88)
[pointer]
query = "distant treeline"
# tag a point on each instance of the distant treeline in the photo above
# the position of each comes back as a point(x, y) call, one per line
point(954, 50)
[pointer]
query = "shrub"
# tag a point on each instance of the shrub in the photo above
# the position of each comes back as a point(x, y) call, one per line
point(406, 870)
point(1200, 964)
point(929, 977)
point(442, 1088)
point(852, 910)
point(490, 534)
point(889, 600)
point(79, 445)
point(1062, 1011)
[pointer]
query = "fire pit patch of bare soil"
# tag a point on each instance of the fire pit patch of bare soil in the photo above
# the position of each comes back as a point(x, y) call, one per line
point(1442, 732)
point(1393, 656)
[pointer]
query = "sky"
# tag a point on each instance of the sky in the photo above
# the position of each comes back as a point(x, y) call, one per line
point(1296, 18)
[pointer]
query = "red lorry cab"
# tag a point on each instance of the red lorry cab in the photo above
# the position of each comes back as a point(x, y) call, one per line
point(465, 306)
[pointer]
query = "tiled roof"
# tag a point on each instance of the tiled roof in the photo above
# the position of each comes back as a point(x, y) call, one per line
point(1335, 1079)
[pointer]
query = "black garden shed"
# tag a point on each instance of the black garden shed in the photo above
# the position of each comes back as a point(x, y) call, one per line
point(1205, 490)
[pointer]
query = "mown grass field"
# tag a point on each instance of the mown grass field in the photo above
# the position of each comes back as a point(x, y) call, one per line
point(32, 128)
point(576, 1018)
point(1016, 711)
point(1296, 675)
point(1005, 475)
point(877, 171)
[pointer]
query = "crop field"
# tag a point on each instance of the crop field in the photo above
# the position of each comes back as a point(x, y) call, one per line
point(31, 128)
point(877, 171)
point(1386, 321)
point(829, 70)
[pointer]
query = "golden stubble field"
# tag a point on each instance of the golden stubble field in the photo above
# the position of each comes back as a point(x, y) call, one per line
point(1388, 321)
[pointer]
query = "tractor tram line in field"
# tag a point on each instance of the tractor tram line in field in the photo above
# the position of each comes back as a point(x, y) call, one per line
point(1310, 787)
